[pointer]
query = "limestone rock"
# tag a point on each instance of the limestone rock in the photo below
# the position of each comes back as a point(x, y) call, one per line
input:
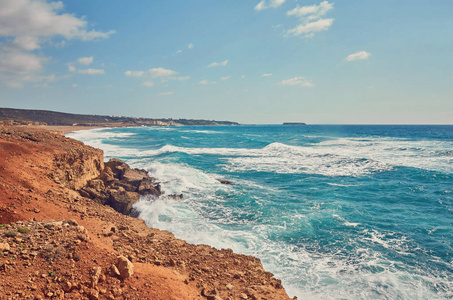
point(96, 276)
point(96, 184)
point(4, 247)
point(122, 201)
point(107, 175)
point(146, 187)
point(115, 270)
point(77, 166)
point(133, 176)
point(117, 166)
point(120, 186)
point(125, 267)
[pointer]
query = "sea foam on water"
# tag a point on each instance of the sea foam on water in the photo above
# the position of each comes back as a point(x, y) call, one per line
point(353, 212)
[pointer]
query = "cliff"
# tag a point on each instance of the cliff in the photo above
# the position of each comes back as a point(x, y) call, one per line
point(57, 244)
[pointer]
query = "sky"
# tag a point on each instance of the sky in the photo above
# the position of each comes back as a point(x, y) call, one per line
point(249, 61)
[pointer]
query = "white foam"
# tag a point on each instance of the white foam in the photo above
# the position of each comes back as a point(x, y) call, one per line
point(363, 274)
point(342, 185)
point(202, 131)
point(346, 222)
point(336, 157)
point(98, 138)
point(360, 274)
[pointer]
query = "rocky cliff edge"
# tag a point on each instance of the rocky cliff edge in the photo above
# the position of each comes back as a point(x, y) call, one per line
point(57, 244)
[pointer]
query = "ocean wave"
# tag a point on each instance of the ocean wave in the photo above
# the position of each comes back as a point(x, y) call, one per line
point(333, 157)
point(357, 273)
point(320, 235)
point(201, 131)
point(342, 157)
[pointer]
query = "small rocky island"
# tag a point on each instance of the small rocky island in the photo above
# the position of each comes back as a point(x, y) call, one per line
point(294, 123)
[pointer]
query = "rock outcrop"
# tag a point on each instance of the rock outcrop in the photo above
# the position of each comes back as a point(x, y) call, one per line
point(78, 166)
point(56, 244)
point(120, 187)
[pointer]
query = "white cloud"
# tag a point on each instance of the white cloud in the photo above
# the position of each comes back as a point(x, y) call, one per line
point(218, 64)
point(166, 94)
point(266, 75)
point(311, 20)
point(361, 55)
point(243, 76)
point(180, 78)
point(206, 82)
point(134, 73)
point(26, 24)
point(85, 60)
point(310, 28)
point(178, 52)
point(153, 73)
point(300, 81)
point(26, 43)
point(148, 84)
point(225, 78)
point(91, 71)
point(33, 18)
point(190, 46)
point(311, 12)
point(74, 85)
point(160, 72)
point(265, 4)
point(18, 67)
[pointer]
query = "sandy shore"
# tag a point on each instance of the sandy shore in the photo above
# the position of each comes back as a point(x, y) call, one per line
point(69, 129)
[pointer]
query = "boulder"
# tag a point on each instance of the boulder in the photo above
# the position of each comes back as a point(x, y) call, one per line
point(122, 201)
point(97, 274)
point(99, 196)
point(125, 267)
point(107, 175)
point(4, 247)
point(117, 166)
point(175, 197)
point(134, 176)
point(146, 187)
point(127, 187)
point(96, 184)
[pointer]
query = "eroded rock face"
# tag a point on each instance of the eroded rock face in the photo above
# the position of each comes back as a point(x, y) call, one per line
point(120, 187)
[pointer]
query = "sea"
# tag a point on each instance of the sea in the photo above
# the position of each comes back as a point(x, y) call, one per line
point(335, 212)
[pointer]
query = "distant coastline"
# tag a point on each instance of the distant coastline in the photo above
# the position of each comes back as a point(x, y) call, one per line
point(44, 117)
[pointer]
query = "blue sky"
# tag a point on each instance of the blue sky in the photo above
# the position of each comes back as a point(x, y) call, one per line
point(250, 61)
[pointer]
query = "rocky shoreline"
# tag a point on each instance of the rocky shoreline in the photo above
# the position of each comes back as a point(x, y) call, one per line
point(65, 232)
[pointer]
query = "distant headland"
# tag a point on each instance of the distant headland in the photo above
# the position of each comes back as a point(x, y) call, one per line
point(294, 123)
point(66, 119)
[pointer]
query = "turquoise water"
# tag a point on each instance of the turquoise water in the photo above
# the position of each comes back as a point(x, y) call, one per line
point(336, 212)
